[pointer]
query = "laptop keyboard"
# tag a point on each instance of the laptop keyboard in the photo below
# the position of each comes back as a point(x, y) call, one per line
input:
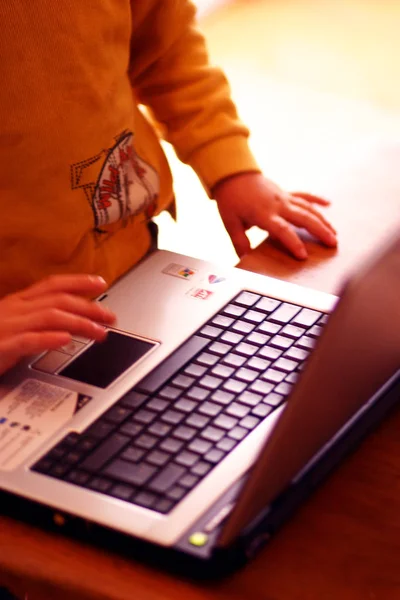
point(161, 438)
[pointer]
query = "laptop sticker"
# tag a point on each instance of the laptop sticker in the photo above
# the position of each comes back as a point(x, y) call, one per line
point(30, 414)
point(179, 271)
point(215, 279)
point(200, 293)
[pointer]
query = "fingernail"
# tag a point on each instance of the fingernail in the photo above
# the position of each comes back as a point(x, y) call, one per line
point(332, 240)
point(302, 254)
point(97, 279)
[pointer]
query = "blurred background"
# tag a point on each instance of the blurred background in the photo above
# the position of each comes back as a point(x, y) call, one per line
point(317, 82)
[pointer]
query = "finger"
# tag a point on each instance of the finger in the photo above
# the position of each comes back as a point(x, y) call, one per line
point(303, 218)
point(311, 198)
point(73, 304)
point(85, 285)
point(307, 206)
point(53, 319)
point(280, 230)
point(27, 344)
point(237, 233)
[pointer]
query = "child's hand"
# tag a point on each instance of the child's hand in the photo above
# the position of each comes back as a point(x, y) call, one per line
point(251, 199)
point(45, 315)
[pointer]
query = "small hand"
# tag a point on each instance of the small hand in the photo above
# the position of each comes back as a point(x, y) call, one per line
point(251, 199)
point(46, 315)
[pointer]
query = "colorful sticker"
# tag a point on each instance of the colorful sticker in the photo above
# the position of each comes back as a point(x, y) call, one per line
point(30, 414)
point(200, 293)
point(215, 279)
point(179, 271)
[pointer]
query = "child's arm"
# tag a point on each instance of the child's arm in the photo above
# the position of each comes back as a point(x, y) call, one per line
point(171, 74)
point(45, 315)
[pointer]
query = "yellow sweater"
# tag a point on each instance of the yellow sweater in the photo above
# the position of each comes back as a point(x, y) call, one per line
point(81, 168)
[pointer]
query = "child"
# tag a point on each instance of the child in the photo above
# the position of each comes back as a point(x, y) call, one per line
point(82, 171)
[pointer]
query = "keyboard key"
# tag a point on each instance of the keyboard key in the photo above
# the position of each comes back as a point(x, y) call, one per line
point(214, 456)
point(249, 422)
point(284, 388)
point(262, 387)
point(246, 374)
point(249, 398)
point(238, 433)
point(170, 392)
point(222, 371)
point(100, 429)
point(292, 331)
point(315, 331)
point(78, 477)
point(267, 305)
point(237, 410)
point(146, 441)
point(144, 416)
point(235, 386)
point(230, 337)
point(247, 299)
point(86, 444)
point(103, 453)
point(208, 381)
point(269, 353)
point(285, 364)
point(292, 377)
point(133, 399)
point(72, 457)
point(159, 429)
point(122, 491)
point(297, 354)
point(117, 414)
point(233, 310)
point(185, 433)
point(186, 459)
point(197, 393)
point(133, 454)
point(200, 446)
point(164, 505)
point(207, 359)
point(166, 478)
point(210, 331)
point(131, 429)
point(209, 408)
point(226, 444)
point(185, 405)
point(260, 339)
point(269, 327)
point(225, 422)
point(306, 342)
point(222, 321)
point(197, 421)
point(306, 317)
point(171, 445)
point(128, 472)
point(243, 327)
point(213, 434)
point(280, 341)
point(220, 348)
point(176, 493)
point(274, 375)
point(274, 399)
point(254, 316)
point(260, 364)
point(183, 381)
point(173, 417)
point(158, 458)
point(246, 349)
point(234, 360)
point(262, 410)
point(323, 320)
point(57, 452)
point(201, 468)
point(195, 370)
point(145, 499)
point(284, 313)
point(99, 484)
point(157, 404)
point(222, 397)
point(188, 481)
point(167, 369)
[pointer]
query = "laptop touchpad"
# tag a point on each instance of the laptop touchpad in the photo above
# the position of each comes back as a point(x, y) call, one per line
point(103, 362)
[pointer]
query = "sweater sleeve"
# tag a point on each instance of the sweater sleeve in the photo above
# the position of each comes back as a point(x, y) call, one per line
point(171, 74)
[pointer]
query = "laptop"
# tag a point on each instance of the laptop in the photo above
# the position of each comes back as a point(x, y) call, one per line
point(217, 403)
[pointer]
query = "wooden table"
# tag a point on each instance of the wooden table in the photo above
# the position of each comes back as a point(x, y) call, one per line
point(344, 544)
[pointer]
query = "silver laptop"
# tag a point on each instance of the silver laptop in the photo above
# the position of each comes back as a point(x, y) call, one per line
point(216, 404)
